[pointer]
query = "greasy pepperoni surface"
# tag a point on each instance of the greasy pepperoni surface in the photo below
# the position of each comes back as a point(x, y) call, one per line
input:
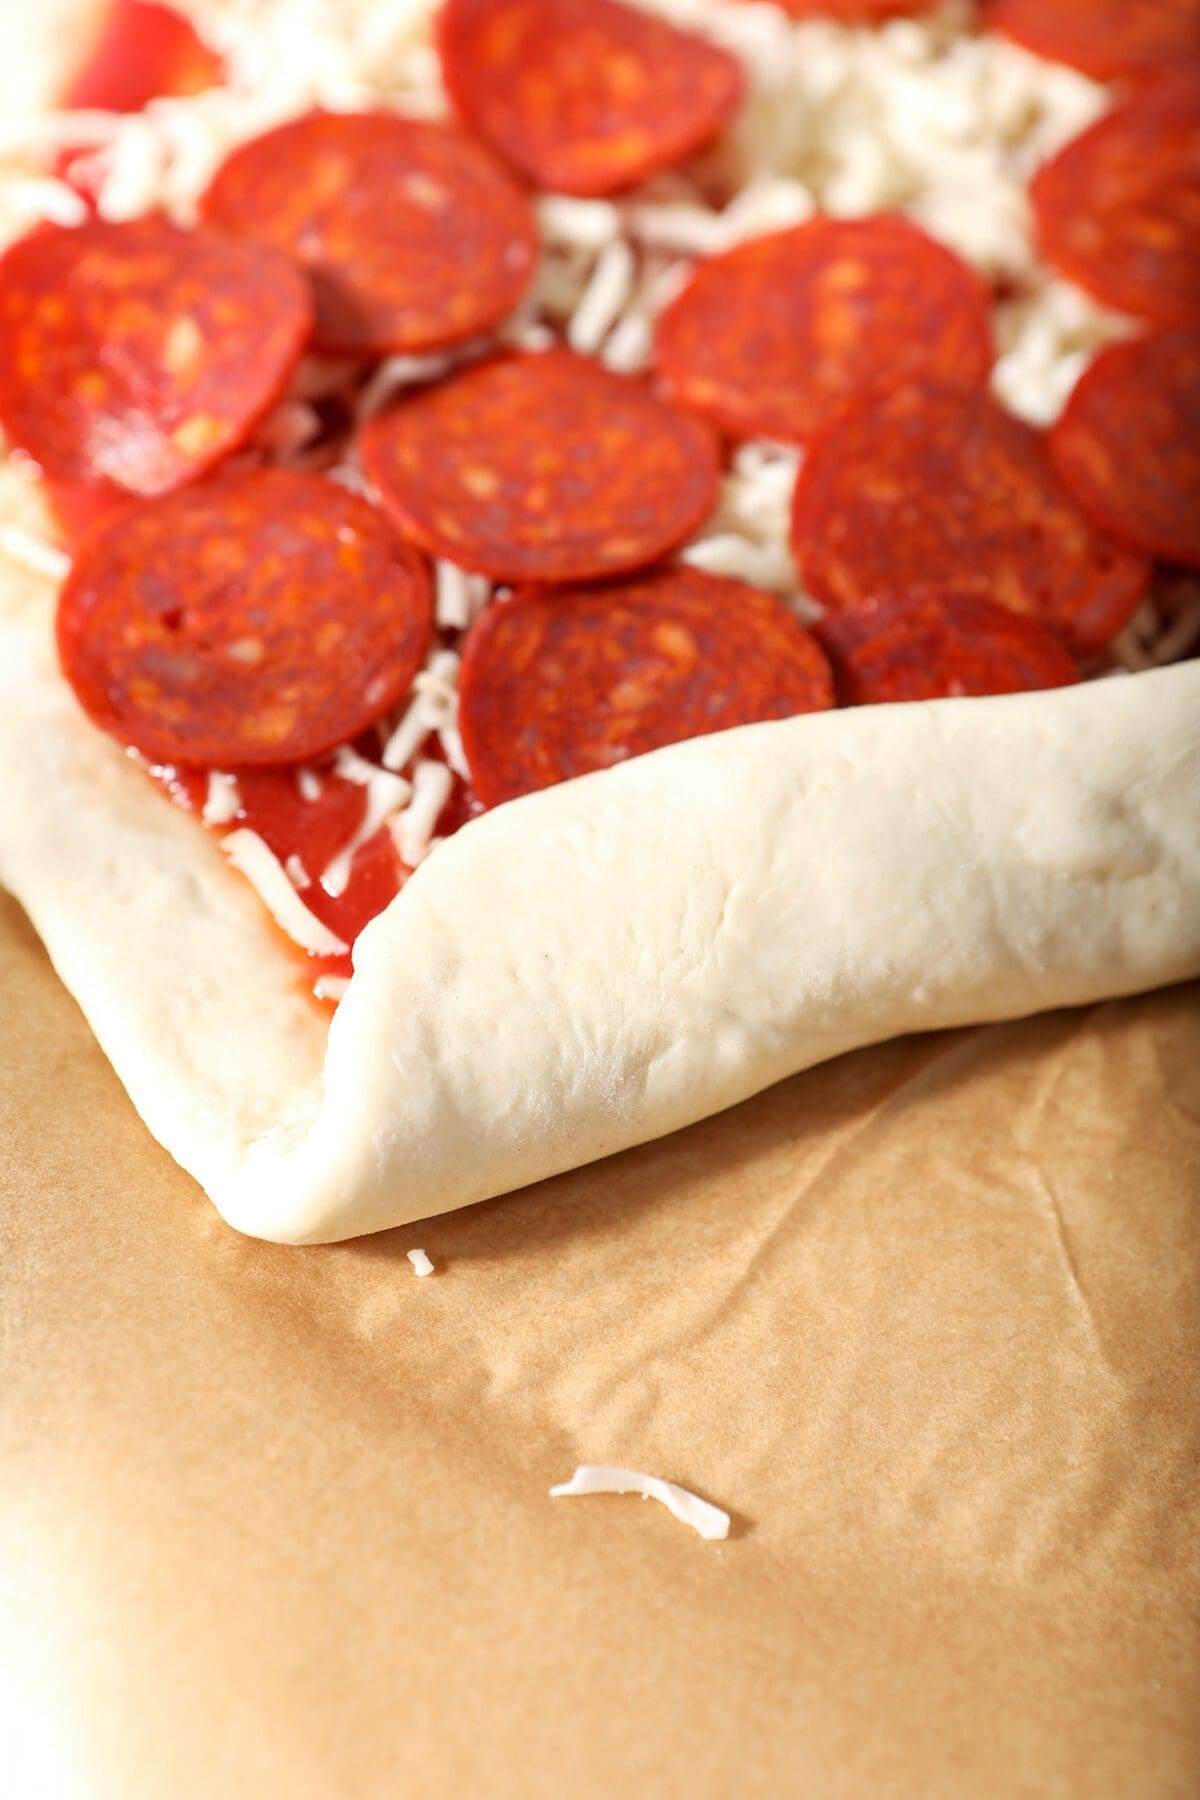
point(772, 337)
point(143, 50)
point(1104, 38)
point(855, 12)
point(556, 683)
point(542, 468)
point(140, 355)
point(584, 96)
point(257, 618)
point(1118, 210)
point(940, 646)
point(1128, 444)
point(413, 236)
point(927, 489)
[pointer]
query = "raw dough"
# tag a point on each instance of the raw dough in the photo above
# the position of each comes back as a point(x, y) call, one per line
point(598, 964)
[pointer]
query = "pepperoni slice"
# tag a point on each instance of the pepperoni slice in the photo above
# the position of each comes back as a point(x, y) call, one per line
point(1128, 444)
point(557, 683)
point(584, 96)
point(941, 646)
point(413, 236)
point(854, 12)
point(772, 337)
point(1104, 38)
point(143, 50)
point(257, 618)
point(542, 467)
point(140, 355)
point(928, 489)
point(1118, 210)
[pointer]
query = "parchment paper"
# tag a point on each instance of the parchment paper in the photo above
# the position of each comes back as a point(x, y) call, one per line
point(275, 1522)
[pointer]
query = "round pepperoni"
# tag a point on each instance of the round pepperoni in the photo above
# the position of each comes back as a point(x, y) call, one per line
point(584, 96)
point(943, 645)
point(143, 50)
point(558, 683)
point(1104, 38)
point(1128, 444)
point(139, 354)
point(1118, 210)
point(926, 489)
point(413, 236)
point(256, 618)
point(542, 467)
point(772, 337)
point(854, 12)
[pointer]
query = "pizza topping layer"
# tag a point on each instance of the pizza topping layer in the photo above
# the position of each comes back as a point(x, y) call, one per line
point(940, 647)
point(1128, 444)
point(542, 467)
point(927, 489)
point(1118, 210)
point(1105, 38)
point(257, 618)
point(556, 683)
point(413, 238)
point(772, 337)
point(440, 389)
point(584, 96)
point(144, 50)
point(140, 355)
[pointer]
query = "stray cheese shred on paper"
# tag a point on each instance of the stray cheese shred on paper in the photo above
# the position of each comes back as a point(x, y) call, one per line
point(420, 1262)
point(689, 1509)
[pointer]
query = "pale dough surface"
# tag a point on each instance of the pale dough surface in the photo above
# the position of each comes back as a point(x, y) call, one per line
point(604, 962)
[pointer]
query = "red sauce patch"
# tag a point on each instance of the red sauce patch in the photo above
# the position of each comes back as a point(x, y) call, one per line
point(558, 682)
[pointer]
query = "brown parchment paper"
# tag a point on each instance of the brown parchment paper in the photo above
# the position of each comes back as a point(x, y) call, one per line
point(275, 1522)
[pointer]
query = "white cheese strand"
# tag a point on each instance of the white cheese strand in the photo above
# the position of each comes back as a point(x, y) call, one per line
point(252, 858)
point(33, 553)
point(223, 800)
point(412, 830)
point(688, 1508)
point(386, 794)
point(420, 1262)
point(433, 705)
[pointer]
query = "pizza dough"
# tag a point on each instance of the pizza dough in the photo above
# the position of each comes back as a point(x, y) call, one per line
point(597, 964)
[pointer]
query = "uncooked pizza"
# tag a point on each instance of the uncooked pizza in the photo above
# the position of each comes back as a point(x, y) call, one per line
point(569, 559)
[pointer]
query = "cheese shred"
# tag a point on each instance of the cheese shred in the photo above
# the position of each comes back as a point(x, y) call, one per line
point(595, 1478)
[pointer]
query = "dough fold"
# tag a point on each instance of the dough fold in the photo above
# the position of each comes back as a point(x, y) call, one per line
point(599, 964)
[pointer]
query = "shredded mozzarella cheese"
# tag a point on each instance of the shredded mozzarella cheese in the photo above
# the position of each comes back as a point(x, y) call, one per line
point(420, 1262)
point(252, 858)
point(223, 800)
point(34, 553)
point(412, 830)
point(386, 794)
point(688, 1508)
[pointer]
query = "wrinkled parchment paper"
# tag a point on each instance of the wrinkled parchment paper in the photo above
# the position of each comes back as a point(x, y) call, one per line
point(275, 1522)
